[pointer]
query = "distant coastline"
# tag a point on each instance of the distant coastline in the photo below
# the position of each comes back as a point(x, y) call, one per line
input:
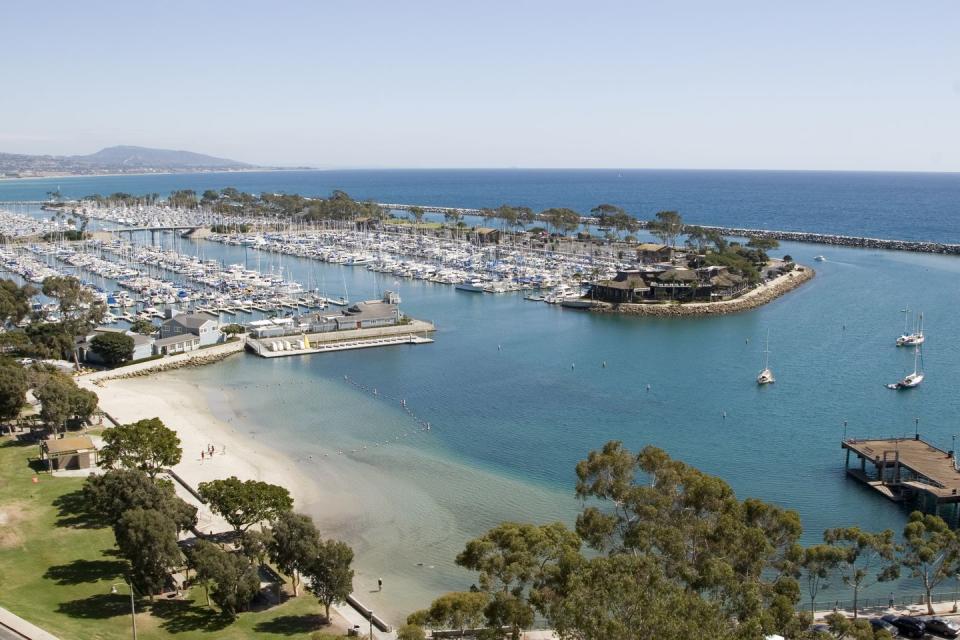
point(185, 172)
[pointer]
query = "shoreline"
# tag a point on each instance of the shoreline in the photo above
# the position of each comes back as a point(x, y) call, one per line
point(753, 299)
point(151, 173)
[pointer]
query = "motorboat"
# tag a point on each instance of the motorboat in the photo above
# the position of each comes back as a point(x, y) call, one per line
point(474, 285)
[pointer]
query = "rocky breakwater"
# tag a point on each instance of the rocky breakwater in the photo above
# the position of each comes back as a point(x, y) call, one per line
point(169, 363)
point(751, 300)
point(843, 241)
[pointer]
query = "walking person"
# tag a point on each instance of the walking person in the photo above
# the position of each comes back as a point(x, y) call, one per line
point(379, 584)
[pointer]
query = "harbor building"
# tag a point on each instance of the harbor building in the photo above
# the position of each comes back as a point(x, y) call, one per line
point(201, 325)
point(142, 345)
point(627, 287)
point(652, 253)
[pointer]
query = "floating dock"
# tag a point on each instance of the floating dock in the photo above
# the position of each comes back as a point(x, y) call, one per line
point(908, 470)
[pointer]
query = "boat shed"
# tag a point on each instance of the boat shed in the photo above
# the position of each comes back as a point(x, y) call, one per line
point(77, 452)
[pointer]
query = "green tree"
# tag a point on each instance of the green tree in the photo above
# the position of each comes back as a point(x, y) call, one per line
point(819, 562)
point(843, 628)
point(625, 597)
point(294, 544)
point(514, 558)
point(763, 243)
point(738, 554)
point(228, 578)
point(148, 541)
point(143, 326)
point(61, 399)
point(667, 227)
point(603, 213)
point(411, 632)
point(13, 389)
point(562, 220)
point(146, 444)
point(108, 496)
point(234, 329)
point(245, 503)
point(417, 213)
point(867, 558)
point(931, 551)
point(113, 348)
point(255, 545)
point(79, 308)
point(14, 302)
point(459, 610)
point(330, 575)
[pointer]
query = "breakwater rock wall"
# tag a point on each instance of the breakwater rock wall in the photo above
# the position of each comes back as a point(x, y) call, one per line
point(750, 300)
point(843, 241)
point(190, 359)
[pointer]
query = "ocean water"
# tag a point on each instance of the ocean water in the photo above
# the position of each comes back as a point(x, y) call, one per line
point(909, 206)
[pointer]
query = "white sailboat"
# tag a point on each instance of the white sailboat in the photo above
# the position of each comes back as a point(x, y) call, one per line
point(766, 376)
point(911, 339)
point(911, 379)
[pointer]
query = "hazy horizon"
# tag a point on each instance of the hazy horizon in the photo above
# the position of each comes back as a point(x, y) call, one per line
point(863, 86)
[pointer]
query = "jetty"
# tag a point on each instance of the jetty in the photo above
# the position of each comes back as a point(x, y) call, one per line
point(908, 470)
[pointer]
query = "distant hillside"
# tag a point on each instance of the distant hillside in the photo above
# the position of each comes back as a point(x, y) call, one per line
point(120, 159)
point(127, 156)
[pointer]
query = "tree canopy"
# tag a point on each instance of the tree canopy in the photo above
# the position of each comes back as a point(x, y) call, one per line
point(108, 496)
point(148, 541)
point(245, 503)
point(294, 543)
point(13, 389)
point(148, 445)
point(330, 575)
point(113, 348)
point(61, 399)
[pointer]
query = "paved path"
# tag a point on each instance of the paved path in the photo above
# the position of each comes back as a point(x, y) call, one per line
point(13, 627)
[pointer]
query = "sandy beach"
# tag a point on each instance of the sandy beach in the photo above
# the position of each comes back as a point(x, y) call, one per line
point(183, 408)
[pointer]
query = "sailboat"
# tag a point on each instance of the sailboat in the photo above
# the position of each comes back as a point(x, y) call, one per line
point(911, 379)
point(766, 376)
point(911, 339)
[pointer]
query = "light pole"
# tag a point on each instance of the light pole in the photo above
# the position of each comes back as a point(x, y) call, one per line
point(133, 610)
point(844, 430)
point(370, 618)
point(916, 428)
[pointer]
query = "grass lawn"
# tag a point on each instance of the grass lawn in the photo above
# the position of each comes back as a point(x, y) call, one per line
point(56, 570)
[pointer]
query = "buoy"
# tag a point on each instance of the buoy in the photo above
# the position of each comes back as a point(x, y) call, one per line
point(499, 347)
point(648, 387)
point(604, 364)
point(724, 415)
point(573, 366)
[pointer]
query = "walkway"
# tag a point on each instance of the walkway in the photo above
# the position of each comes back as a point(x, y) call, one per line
point(13, 627)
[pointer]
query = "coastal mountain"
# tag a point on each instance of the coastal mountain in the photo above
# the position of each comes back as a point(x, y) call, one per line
point(129, 156)
point(119, 159)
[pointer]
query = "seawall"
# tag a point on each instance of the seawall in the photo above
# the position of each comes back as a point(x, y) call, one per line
point(750, 300)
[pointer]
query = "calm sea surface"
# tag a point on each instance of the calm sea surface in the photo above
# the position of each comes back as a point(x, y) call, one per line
point(516, 392)
point(909, 206)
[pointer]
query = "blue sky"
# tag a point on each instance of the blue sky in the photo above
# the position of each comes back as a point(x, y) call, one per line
point(858, 84)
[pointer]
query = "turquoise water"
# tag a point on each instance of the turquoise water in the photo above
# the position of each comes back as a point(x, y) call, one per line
point(911, 206)
point(516, 394)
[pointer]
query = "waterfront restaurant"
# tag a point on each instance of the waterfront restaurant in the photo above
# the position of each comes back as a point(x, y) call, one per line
point(627, 287)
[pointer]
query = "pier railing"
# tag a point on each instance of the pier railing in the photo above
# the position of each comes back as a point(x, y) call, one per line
point(878, 604)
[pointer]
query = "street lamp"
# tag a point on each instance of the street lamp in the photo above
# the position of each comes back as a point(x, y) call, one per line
point(916, 428)
point(133, 610)
point(370, 617)
point(844, 430)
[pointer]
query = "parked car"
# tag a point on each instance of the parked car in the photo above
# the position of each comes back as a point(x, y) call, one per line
point(907, 625)
point(942, 627)
point(880, 623)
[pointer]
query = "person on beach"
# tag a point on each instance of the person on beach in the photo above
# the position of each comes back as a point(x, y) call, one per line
point(379, 584)
point(203, 455)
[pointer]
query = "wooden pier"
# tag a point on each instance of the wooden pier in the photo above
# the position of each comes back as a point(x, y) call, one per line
point(908, 470)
